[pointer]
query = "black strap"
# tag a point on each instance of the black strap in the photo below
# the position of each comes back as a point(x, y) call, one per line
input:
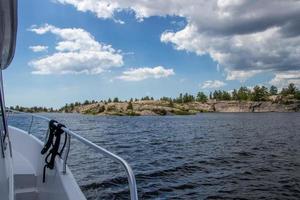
point(55, 132)
point(52, 129)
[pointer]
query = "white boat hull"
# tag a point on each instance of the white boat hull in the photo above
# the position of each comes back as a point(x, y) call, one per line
point(28, 164)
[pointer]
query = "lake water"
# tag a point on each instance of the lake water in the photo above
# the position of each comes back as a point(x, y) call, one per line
point(206, 156)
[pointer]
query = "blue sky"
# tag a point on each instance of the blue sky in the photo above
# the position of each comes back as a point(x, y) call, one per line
point(140, 44)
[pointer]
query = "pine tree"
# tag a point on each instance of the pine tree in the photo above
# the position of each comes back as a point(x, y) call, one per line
point(273, 90)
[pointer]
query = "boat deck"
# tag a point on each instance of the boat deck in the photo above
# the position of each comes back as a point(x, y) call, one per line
point(24, 178)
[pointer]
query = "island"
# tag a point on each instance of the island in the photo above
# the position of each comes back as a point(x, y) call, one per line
point(257, 99)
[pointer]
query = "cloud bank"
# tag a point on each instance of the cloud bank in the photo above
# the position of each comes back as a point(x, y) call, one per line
point(77, 51)
point(244, 37)
point(139, 74)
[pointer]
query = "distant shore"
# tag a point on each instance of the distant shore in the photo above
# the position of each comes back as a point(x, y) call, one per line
point(259, 99)
point(158, 107)
point(152, 107)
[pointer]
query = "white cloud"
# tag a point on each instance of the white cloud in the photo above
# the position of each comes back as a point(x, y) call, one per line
point(212, 84)
point(38, 48)
point(241, 75)
point(77, 51)
point(282, 79)
point(240, 35)
point(140, 74)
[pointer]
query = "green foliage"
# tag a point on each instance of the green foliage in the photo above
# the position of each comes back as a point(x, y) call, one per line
point(186, 98)
point(244, 94)
point(201, 97)
point(34, 109)
point(273, 90)
point(77, 103)
point(166, 99)
point(217, 95)
point(182, 112)
point(160, 111)
point(101, 109)
point(146, 98)
point(226, 96)
point(116, 100)
point(290, 90)
point(259, 93)
point(235, 95)
point(221, 95)
point(297, 95)
point(86, 102)
point(131, 113)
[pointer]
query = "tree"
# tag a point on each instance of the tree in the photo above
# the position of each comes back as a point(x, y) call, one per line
point(165, 99)
point(201, 97)
point(243, 94)
point(146, 98)
point(210, 95)
point(234, 95)
point(226, 96)
point(179, 99)
point(86, 102)
point(109, 100)
point(188, 98)
point(259, 93)
point(72, 106)
point(218, 95)
point(116, 100)
point(273, 90)
point(290, 90)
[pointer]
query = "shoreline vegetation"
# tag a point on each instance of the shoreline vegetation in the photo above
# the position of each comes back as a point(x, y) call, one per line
point(258, 99)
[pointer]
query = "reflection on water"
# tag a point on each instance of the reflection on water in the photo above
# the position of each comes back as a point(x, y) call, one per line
point(207, 156)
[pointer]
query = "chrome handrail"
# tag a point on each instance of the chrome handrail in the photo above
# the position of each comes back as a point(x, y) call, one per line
point(103, 151)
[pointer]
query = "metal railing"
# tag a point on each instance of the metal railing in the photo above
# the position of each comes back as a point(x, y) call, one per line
point(103, 151)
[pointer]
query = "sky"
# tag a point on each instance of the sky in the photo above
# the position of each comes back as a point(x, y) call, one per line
point(73, 50)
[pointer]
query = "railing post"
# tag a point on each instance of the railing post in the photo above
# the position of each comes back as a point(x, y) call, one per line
point(99, 149)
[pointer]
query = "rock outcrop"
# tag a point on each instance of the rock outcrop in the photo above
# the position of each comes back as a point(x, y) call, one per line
point(152, 107)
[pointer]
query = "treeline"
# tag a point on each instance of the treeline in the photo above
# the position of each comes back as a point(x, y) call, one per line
point(258, 93)
point(70, 106)
point(33, 109)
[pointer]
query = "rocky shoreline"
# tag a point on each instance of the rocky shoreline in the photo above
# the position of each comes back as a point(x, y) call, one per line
point(157, 107)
